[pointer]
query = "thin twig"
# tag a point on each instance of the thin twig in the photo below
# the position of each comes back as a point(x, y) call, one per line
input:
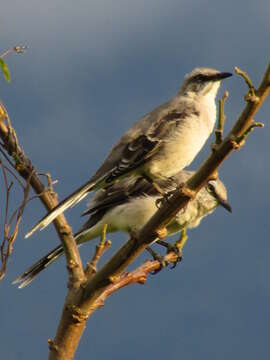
point(15, 49)
point(137, 276)
point(251, 96)
point(24, 167)
point(91, 267)
point(221, 119)
point(49, 180)
point(69, 333)
point(9, 239)
point(9, 170)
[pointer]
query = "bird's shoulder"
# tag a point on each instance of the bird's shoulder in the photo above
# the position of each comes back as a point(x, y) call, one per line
point(173, 115)
point(146, 135)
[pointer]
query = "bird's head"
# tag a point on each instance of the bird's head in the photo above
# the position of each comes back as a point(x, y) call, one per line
point(215, 194)
point(203, 81)
point(212, 194)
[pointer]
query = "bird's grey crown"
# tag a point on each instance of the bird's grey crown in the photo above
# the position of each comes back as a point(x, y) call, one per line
point(219, 188)
point(200, 74)
point(196, 79)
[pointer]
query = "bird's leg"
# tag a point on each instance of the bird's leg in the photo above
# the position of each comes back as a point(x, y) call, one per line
point(182, 240)
point(176, 247)
point(179, 244)
point(172, 248)
point(159, 258)
point(174, 182)
point(154, 184)
point(165, 194)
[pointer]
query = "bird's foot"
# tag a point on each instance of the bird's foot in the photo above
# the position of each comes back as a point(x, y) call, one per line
point(172, 248)
point(160, 258)
point(166, 197)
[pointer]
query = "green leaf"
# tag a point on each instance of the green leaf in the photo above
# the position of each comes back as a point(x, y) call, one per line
point(5, 70)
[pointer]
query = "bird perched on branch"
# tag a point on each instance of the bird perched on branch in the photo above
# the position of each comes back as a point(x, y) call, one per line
point(128, 205)
point(160, 144)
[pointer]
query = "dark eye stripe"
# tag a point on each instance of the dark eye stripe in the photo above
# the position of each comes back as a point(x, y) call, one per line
point(199, 78)
point(210, 77)
point(204, 77)
point(212, 189)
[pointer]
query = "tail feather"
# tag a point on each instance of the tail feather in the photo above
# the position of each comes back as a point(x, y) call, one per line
point(71, 200)
point(29, 275)
point(85, 234)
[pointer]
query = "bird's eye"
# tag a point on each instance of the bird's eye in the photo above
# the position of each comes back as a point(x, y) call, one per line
point(210, 188)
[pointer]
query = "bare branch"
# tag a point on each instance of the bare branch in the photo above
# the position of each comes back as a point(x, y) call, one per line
point(9, 239)
point(9, 170)
point(16, 49)
point(86, 294)
point(221, 119)
point(137, 276)
point(26, 170)
point(251, 96)
point(91, 267)
point(84, 302)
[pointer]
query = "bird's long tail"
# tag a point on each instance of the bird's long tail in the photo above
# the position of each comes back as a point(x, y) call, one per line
point(69, 201)
point(31, 273)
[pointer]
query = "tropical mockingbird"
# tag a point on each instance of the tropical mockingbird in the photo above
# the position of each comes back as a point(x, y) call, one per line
point(160, 144)
point(128, 205)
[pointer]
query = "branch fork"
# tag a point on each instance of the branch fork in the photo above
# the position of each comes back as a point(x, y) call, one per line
point(251, 96)
point(89, 289)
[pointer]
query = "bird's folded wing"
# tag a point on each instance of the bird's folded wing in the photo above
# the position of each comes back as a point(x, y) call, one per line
point(128, 155)
point(120, 193)
point(134, 154)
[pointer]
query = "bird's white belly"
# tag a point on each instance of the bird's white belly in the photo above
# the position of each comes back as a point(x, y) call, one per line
point(131, 216)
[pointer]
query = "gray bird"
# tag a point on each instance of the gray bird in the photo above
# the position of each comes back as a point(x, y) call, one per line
point(160, 144)
point(128, 205)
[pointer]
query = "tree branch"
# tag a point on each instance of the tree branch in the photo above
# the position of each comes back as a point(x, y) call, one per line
point(137, 276)
point(95, 289)
point(26, 170)
point(87, 293)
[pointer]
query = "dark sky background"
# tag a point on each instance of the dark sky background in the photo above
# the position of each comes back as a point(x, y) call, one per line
point(92, 69)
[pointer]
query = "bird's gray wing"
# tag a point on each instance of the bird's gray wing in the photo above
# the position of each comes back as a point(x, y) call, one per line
point(129, 188)
point(135, 148)
point(133, 155)
point(119, 193)
point(142, 148)
point(169, 122)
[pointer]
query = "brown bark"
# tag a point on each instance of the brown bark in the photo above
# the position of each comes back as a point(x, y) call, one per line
point(86, 298)
point(87, 293)
point(48, 198)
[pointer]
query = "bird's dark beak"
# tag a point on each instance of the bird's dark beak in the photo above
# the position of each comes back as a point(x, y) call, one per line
point(221, 76)
point(225, 204)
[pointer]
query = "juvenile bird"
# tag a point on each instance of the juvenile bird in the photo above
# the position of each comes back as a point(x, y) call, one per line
point(160, 144)
point(127, 206)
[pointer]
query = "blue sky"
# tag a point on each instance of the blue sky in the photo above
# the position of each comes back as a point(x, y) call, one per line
point(92, 69)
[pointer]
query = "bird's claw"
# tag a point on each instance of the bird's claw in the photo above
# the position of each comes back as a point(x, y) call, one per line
point(163, 264)
point(172, 248)
point(178, 259)
point(159, 258)
point(179, 255)
point(166, 198)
